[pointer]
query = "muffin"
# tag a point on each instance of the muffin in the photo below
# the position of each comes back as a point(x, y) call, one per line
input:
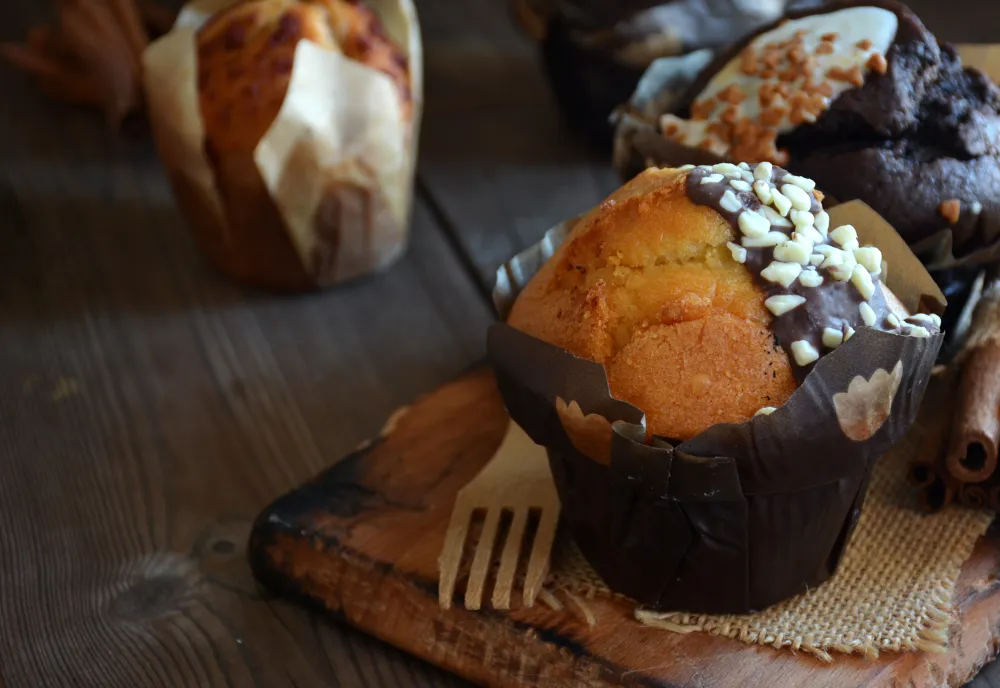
point(593, 52)
point(288, 129)
point(245, 59)
point(246, 54)
point(863, 99)
point(713, 365)
point(709, 294)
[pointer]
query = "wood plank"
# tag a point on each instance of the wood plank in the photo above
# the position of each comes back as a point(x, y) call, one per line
point(495, 155)
point(362, 541)
point(149, 409)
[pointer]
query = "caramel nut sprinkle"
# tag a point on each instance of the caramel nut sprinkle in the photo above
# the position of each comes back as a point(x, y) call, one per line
point(864, 44)
point(951, 210)
point(825, 49)
point(829, 37)
point(877, 63)
point(732, 94)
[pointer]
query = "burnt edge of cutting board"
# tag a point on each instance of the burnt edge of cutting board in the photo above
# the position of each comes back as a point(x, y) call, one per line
point(299, 550)
point(342, 499)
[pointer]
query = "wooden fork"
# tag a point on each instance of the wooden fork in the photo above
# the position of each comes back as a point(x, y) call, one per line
point(517, 479)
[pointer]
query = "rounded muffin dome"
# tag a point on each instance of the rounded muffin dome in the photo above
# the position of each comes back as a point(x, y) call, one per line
point(646, 285)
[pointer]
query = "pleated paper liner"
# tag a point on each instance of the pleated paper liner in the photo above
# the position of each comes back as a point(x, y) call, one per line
point(891, 593)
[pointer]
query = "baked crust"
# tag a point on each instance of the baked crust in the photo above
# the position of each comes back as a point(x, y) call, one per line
point(646, 285)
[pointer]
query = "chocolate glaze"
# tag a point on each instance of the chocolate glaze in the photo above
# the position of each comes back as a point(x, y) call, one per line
point(832, 304)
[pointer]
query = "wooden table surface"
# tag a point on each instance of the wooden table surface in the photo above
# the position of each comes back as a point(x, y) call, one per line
point(149, 409)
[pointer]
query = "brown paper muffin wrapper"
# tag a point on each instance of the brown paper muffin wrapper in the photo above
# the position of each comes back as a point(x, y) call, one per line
point(742, 515)
point(325, 196)
point(638, 143)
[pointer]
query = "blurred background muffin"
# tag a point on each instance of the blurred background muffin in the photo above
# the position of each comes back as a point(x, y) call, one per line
point(594, 52)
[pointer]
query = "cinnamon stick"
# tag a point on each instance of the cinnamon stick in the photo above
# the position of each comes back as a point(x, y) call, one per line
point(922, 474)
point(972, 452)
point(973, 496)
point(939, 494)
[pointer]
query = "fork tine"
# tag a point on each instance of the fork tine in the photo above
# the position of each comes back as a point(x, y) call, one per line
point(451, 554)
point(481, 562)
point(508, 560)
point(538, 565)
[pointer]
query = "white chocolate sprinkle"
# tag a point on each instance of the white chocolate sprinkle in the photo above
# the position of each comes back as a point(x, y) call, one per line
point(763, 171)
point(763, 191)
point(766, 411)
point(781, 273)
point(810, 278)
point(832, 338)
point(849, 333)
point(804, 353)
point(728, 169)
point(729, 202)
point(845, 269)
point(936, 319)
point(893, 320)
point(822, 222)
point(917, 331)
point(769, 239)
point(748, 176)
point(851, 245)
point(712, 179)
point(801, 218)
point(774, 218)
point(862, 279)
point(816, 259)
point(810, 234)
point(843, 234)
point(744, 166)
point(867, 314)
point(739, 253)
point(800, 200)
point(976, 207)
point(802, 182)
point(685, 168)
point(782, 303)
point(793, 252)
point(870, 257)
point(781, 202)
point(753, 225)
point(739, 184)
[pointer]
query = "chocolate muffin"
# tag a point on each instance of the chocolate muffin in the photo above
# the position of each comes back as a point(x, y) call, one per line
point(709, 293)
point(863, 99)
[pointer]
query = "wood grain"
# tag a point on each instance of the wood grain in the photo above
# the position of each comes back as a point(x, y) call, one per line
point(495, 155)
point(363, 539)
point(149, 409)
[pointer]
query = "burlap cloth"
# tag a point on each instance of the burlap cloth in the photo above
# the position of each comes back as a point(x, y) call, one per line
point(892, 592)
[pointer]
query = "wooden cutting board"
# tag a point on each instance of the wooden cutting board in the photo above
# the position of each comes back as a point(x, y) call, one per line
point(362, 540)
